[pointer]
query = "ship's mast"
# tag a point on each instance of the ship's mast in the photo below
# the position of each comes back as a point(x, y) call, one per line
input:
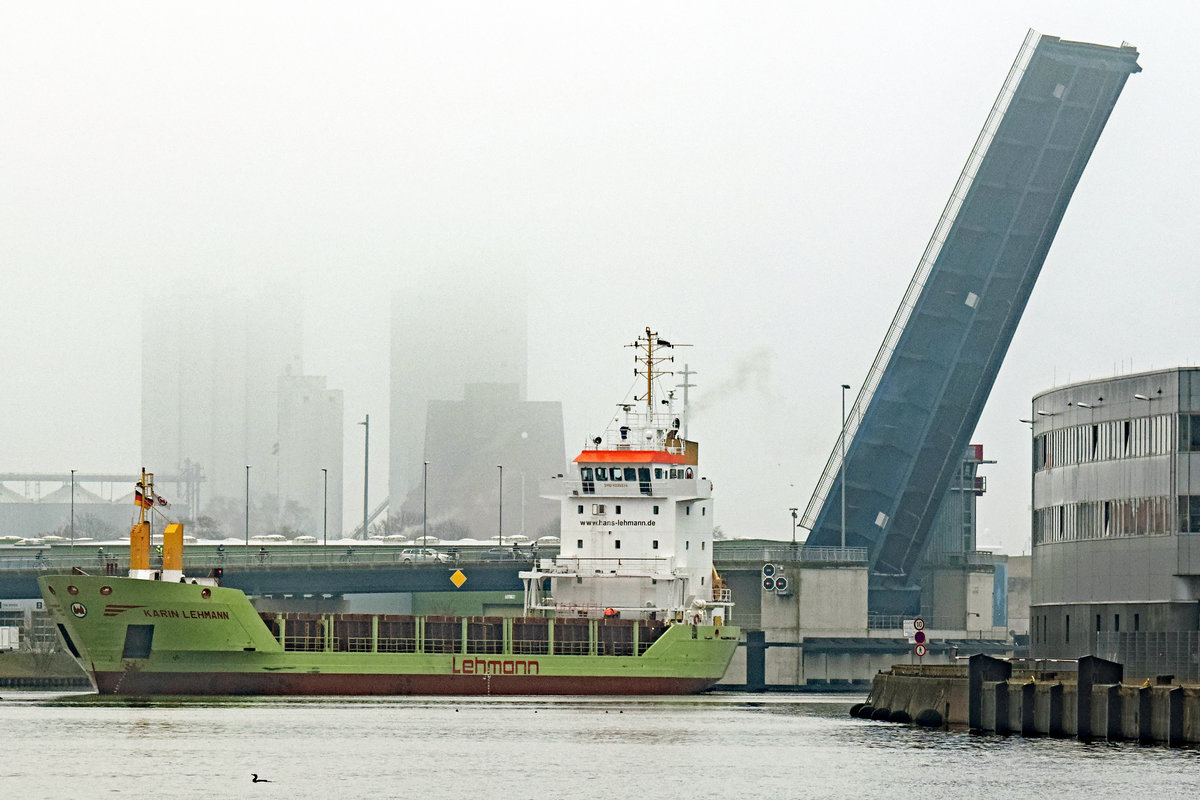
point(648, 348)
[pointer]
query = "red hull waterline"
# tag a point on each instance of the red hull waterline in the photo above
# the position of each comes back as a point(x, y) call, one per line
point(232, 683)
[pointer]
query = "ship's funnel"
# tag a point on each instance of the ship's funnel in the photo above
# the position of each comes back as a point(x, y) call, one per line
point(139, 549)
point(172, 552)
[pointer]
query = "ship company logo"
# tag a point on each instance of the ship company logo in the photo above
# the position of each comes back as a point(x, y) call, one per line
point(112, 609)
point(79, 610)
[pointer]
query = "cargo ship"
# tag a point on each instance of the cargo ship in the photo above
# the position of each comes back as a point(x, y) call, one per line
point(631, 605)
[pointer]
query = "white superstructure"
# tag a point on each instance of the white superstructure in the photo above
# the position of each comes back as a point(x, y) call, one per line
point(637, 518)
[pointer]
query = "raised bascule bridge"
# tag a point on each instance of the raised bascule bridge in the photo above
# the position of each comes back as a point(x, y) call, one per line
point(912, 421)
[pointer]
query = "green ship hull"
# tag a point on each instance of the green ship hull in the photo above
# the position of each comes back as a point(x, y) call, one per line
point(145, 637)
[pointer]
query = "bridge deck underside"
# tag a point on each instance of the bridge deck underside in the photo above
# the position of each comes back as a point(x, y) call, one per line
point(929, 399)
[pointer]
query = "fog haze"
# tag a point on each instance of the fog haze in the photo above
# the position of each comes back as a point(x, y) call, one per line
point(757, 181)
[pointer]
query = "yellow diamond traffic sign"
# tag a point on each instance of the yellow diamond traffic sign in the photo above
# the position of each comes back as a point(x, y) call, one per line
point(458, 579)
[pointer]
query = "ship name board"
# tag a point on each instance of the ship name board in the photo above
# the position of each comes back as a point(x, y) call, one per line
point(175, 613)
point(494, 666)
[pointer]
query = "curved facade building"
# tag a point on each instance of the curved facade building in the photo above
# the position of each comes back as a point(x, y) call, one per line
point(1116, 513)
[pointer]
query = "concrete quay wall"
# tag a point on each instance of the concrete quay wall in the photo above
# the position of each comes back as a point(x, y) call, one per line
point(989, 696)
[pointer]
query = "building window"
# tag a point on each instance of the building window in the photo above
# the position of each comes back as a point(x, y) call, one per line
point(1137, 622)
point(1116, 623)
point(654, 545)
point(1067, 629)
point(1189, 513)
point(1099, 625)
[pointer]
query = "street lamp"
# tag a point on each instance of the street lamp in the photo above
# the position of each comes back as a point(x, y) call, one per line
point(72, 508)
point(425, 507)
point(500, 526)
point(793, 510)
point(247, 505)
point(845, 386)
point(325, 502)
point(366, 423)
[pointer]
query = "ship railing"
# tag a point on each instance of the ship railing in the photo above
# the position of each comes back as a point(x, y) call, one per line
point(674, 487)
point(655, 567)
point(305, 644)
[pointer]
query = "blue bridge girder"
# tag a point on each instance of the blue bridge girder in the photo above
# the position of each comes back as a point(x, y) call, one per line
point(914, 416)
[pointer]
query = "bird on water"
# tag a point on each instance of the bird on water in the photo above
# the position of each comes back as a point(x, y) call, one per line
point(255, 779)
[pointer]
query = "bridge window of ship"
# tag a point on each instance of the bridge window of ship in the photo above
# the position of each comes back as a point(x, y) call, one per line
point(658, 473)
point(644, 480)
point(601, 473)
point(630, 474)
point(688, 473)
point(585, 475)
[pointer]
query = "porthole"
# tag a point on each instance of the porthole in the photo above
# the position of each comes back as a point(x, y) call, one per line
point(206, 593)
point(72, 589)
point(106, 590)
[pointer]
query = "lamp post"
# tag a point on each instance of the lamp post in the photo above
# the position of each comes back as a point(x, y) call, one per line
point(425, 506)
point(500, 525)
point(247, 504)
point(793, 510)
point(325, 504)
point(72, 508)
point(845, 386)
point(366, 423)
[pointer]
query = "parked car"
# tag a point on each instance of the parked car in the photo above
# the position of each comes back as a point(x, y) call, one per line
point(419, 555)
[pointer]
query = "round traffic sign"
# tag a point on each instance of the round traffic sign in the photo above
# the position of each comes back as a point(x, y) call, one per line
point(919, 624)
point(919, 637)
point(920, 650)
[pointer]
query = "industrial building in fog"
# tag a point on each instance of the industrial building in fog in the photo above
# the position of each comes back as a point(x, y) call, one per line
point(223, 387)
point(459, 366)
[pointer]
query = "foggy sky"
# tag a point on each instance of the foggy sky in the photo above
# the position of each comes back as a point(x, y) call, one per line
point(759, 181)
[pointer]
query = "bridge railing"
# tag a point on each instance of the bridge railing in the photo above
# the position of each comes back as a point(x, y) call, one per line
point(732, 552)
point(117, 561)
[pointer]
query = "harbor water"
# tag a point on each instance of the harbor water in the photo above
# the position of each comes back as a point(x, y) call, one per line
point(720, 745)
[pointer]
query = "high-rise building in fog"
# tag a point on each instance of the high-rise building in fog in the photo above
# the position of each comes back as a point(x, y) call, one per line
point(444, 338)
point(310, 440)
point(212, 403)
